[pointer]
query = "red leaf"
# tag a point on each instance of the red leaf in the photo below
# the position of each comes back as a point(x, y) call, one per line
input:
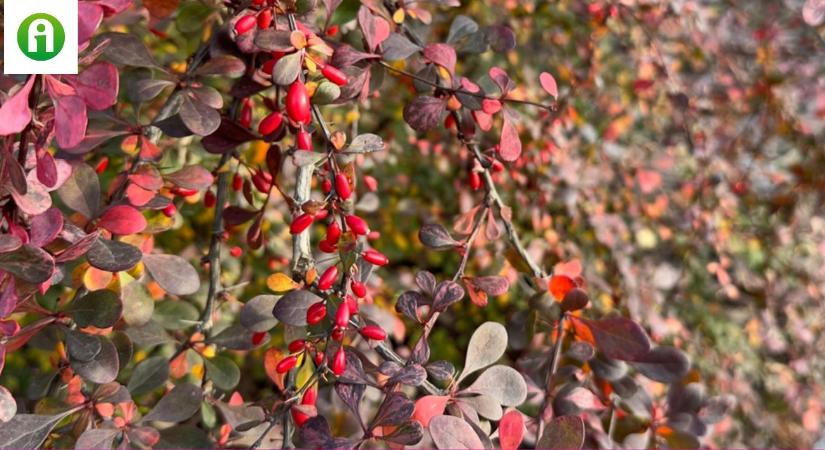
point(617, 337)
point(441, 54)
point(511, 430)
point(549, 84)
point(89, 16)
point(375, 29)
point(428, 407)
point(560, 285)
point(122, 219)
point(510, 145)
point(572, 268)
point(502, 80)
point(70, 120)
point(15, 113)
point(98, 85)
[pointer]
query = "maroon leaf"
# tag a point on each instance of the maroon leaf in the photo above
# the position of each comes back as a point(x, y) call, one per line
point(45, 227)
point(191, 177)
point(28, 263)
point(618, 337)
point(398, 47)
point(235, 215)
point(70, 120)
point(436, 237)
point(46, 170)
point(113, 256)
point(510, 145)
point(225, 65)
point(574, 300)
point(10, 242)
point(394, 410)
point(89, 16)
point(92, 140)
point(199, 117)
point(501, 38)
point(78, 248)
point(663, 364)
point(500, 78)
point(441, 54)
point(351, 395)
point(447, 293)
point(315, 433)
point(228, 136)
point(15, 113)
point(424, 112)
point(122, 219)
point(409, 433)
point(292, 308)
point(564, 432)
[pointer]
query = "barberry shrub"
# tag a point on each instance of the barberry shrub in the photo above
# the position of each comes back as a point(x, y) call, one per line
point(143, 198)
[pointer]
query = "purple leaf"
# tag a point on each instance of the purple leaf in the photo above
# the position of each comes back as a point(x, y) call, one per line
point(618, 338)
point(70, 120)
point(394, 410)
point(46, 170)
point(89, 16)
point(375, 29)
point(449, 432)
point(45, 227)
point(191, 177)
point(564, 432)
point(424, 112)
point(447, 293)
point(502, 80)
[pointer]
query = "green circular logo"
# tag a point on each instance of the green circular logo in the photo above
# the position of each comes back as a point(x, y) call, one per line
point(41, 37)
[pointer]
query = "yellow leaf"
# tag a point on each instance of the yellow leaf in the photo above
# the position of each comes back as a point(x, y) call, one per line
point(209, 351)
point(280, 283)
point(95, 279)
point(398, 16)
point(197, 371)
point(305, 372)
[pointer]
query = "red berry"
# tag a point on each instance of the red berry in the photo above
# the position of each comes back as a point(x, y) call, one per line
point(328, 278)
point(301, 223)
point(310, 395)
point(334, 75)
point(259, 179)
point(245, 24)
point(332, 30)
point(322, 214)
point(299, 417)
point(357, 225)
point(319, 358)
point(316, 313)
point(352, 304)
point(373, 332)
point(375, 257)
point(236, 252)
point(303, 140)
point(297, 345)
point(270, 123)
point(286, 364)
point(209, 199)
point(170, 210)
point(246, 115)
point(339, 361)
point(183, 192)
point(333, 233)
point(327, 247)
point(496, 166)
point(337, 334)
point(258, 338)
point(342, 316)
point(237, 182)
point(268, 66)
point(265, 19)
point(475, 180)
point(102, 165)
point(326, 186)
point(358, 289)
point(342, 187)
point(374, 235)
point(297, 103)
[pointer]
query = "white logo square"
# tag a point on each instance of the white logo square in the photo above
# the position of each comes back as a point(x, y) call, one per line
point(40, 37)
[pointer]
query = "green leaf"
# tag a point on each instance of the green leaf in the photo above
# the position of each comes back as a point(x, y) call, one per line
point(175, 315)
point(178, 405)
point(223, 372)
point(100, 309)
point(149, 374)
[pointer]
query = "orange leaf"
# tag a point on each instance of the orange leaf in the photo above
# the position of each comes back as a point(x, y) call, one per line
point(560, 285)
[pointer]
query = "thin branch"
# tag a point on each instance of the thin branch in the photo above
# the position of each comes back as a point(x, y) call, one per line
point(551, 373)
point(214, 255)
